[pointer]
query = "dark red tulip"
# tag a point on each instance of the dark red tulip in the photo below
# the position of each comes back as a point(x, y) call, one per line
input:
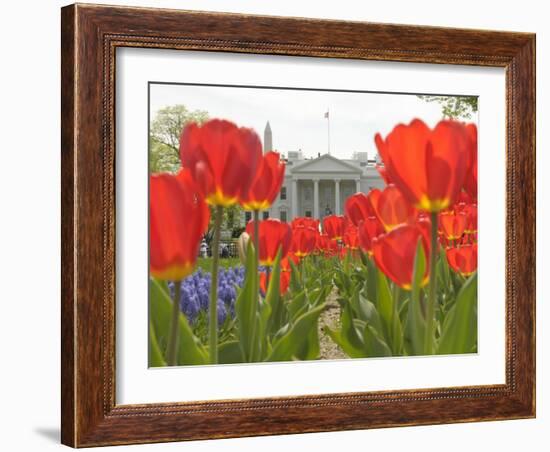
point(178, 218)
point(394, 253)
point(463, 259)
point(334, 226)
point(273, 235)
point(267, 183)
point(427, 166)
point(391, 207)
point(304, 239)
point(358, 207)
point(367, 231)
point(452, 224)
point(223, 159)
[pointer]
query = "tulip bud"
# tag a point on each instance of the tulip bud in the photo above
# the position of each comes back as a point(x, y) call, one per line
point(242, 246)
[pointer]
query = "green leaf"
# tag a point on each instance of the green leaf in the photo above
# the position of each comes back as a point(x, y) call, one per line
point(297, 305)
point(459, 331)
point(385, 304)
point(287, 347)
point(295, 283)
point(370, 315)
point(273, 297)
point(416, 325)
point(372, 282)
point(246, 307)
point(348, 337)
point(190, 351)
point(230, 353)
point(375, 346)
point(155, 355)
point(310, 349)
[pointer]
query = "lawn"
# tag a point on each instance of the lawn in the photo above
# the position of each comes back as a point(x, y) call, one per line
point(206, 263)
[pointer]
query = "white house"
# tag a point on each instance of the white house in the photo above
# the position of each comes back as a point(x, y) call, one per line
point(319, 186)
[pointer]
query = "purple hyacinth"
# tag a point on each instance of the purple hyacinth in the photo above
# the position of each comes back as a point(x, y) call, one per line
point(195, 293)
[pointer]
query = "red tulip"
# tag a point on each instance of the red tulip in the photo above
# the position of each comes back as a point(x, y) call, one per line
point(222, 158)
point(303, 240)
point(178, 219)
point(358, 207)
point(452, 224)
point(463, 199)
point(284, 282)
point(367, 231)
point(267, 183)
point(351, 238)
point(305, 221)
point(471, 213)
point(391, 207)
point(463, 259)
point(325, 245)
point(334, 226)
point(285, 262)
point(273, 235)
point(394, 253)
point(470, 182)
point(427, 166)
point(383, 173)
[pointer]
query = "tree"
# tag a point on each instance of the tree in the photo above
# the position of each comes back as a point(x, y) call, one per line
point(454, 107)
point(162, 159)
point(164, 136)
point(169, 122)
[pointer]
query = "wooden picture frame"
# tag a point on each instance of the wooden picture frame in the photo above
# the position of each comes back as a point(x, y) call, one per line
point(90, 36)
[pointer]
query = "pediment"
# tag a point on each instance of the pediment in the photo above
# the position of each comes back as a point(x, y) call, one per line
point(326, 164)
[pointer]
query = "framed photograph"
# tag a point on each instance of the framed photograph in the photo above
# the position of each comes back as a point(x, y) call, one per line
point(281, 225)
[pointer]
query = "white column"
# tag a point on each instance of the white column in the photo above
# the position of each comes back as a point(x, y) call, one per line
point(337, 194)
point(294, 199)
point(357, 185)
point(315, 198)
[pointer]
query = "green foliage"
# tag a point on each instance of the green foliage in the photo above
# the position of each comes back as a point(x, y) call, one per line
point(377, 318)
point(169, 122)
point(164, 136)
point(459, 330)
point(454, 107)
point(380, 319)
point(190, 351)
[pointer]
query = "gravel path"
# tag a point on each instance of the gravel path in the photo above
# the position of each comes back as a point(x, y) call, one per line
point(331, 318)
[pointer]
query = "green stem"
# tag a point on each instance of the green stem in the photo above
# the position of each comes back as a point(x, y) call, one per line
point(173, 338)
point(267, 276)
point(257, 237)
point(432, 290)
point(394, 314)
point(213, 308)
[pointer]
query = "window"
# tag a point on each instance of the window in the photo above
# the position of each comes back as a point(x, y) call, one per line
point(283, 193)
point(308, 213)
point(265, 214)
point(282, 216)
point(307, 194)
point(247, 216)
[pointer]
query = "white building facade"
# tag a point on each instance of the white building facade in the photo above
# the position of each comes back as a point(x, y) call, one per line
point(318, 187)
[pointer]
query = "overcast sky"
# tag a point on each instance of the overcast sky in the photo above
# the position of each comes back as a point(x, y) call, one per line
point(297, 117)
